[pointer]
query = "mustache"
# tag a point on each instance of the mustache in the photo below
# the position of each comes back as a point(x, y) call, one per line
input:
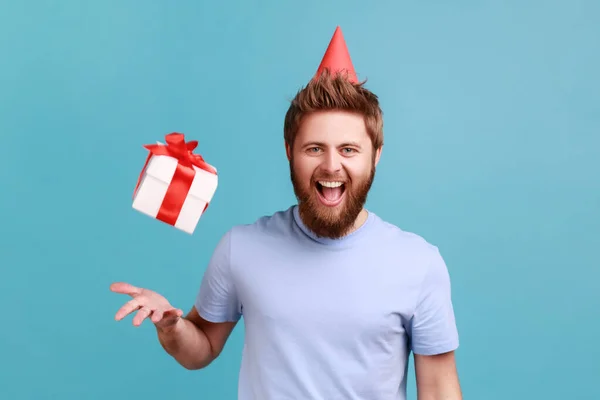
point(330, 177)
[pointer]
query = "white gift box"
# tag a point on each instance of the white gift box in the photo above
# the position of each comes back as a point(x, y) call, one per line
point(155, 182)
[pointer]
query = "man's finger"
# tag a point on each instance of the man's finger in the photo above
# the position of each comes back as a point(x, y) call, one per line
point(141, 316)
point(127, 309)
point(173, 313)
point(157, 315)
point(125, 288)
point(166, 315)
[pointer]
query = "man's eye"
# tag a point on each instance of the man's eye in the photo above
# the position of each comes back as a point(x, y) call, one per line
point(348, 150)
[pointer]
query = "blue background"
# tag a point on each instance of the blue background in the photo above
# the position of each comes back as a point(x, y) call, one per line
point(492, 132)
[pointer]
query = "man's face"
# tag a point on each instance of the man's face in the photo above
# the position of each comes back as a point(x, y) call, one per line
point(332, 165)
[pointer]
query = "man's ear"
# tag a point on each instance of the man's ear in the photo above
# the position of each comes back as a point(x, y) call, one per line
point(378, 154)
point(288, 151)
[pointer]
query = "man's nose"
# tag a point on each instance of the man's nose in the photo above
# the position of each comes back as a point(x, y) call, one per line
point(332, 162)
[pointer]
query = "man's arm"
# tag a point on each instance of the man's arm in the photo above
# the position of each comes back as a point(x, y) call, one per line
point(193, 341)
point(434, 336)
point(196, 340)
point(437, 377)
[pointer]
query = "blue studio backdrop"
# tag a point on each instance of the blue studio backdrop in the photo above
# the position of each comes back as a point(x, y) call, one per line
point(492, 132)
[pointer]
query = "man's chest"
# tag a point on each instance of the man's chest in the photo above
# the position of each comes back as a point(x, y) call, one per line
point(350, 298)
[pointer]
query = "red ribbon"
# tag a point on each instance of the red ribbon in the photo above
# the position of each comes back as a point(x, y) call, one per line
point(183, 177)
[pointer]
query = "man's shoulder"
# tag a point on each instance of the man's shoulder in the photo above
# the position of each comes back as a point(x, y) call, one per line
point(408, 248)
point(393, 235)
point(276, 224)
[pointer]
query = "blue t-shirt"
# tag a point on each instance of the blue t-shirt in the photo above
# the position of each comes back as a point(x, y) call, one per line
point(328, 319)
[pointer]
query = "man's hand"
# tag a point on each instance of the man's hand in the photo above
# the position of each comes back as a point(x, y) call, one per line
point(150, 304)
point(193, 341)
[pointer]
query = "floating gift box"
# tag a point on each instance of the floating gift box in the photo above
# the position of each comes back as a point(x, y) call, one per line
point(175, 185)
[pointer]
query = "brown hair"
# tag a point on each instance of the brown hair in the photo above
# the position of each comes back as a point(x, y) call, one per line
point(335, 92)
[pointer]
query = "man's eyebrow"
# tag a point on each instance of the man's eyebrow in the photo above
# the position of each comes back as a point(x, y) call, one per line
point(310, 144)
point(321, 144)
point(351, 144)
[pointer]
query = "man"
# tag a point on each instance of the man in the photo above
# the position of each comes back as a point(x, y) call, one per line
point(334, 298)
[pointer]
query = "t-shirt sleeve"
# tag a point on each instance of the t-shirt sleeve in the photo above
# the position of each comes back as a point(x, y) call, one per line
point(433, 327)
point(217, 299)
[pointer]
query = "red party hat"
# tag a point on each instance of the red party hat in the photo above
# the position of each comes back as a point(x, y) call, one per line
point(337, 58)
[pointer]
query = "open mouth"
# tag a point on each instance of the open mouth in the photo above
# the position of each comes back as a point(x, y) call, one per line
point(331, 193)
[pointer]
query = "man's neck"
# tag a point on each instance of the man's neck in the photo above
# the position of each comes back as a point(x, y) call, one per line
point(360, 220)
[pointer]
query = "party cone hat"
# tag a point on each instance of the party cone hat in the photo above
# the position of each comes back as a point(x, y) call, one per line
point(337, 58)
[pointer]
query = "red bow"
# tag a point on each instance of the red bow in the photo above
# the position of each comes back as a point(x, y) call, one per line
point(183, 177)
point(177, 147)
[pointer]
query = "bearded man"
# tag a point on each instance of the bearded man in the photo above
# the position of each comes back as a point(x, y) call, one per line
point(334, 298)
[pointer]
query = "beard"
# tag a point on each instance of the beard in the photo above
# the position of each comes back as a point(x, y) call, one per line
point(331, 222)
